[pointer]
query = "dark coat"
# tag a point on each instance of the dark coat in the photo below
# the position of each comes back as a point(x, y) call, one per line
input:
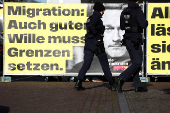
point(95, 24)
point(140, 17)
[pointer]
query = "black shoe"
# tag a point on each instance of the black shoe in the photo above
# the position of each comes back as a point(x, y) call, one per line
point(78, 85)
point(119, 85)
point(112, 86)
point(141, 89)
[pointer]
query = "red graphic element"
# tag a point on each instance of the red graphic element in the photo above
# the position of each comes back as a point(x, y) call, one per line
point(120, 66)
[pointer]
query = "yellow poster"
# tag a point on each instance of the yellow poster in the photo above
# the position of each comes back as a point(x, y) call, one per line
point(158, 38)
point(39, 37)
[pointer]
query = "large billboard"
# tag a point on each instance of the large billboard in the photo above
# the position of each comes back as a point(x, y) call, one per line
point(158, 38)
point(48, 39)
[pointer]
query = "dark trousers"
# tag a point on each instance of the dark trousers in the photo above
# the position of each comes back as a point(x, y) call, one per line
point(136, 57)
point(89, 51)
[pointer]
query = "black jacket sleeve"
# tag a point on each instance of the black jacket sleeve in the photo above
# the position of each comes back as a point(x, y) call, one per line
point(93, 23)
point(141, 19)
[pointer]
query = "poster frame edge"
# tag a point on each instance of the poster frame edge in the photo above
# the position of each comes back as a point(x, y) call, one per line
point(3, 41)
point(146, 40)
point(159, 74)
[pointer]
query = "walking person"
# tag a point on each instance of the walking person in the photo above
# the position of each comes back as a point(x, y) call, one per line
point(133, 21)
point(94, 45)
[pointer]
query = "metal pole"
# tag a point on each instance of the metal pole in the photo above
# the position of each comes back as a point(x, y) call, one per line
point(143, 63)
point(144, 44)
point(3, 42)
point(146, 3)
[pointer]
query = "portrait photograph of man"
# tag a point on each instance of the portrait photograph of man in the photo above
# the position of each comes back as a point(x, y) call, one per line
point(117, 54)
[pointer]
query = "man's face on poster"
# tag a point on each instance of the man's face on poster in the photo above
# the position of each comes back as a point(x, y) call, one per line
point(113, 33)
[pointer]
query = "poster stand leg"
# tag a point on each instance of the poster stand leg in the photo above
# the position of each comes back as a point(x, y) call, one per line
point(144, 77)
point(5, 79)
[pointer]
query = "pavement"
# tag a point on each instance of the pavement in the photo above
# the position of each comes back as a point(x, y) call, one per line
point(30, 94)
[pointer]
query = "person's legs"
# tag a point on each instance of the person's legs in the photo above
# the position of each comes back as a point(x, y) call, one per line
point(137, 83)
point(136, 59)
point(133, 69)
point(136, 80)
point(105, 66)
point(89, 50)
point(88, 57)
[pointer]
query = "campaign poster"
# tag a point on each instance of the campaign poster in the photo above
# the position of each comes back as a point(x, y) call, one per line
point(158, 38)
point(48, 38)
